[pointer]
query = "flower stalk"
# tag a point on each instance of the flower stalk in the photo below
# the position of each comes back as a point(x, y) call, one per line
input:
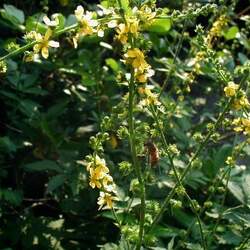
point(196, 154)
point(134, 159)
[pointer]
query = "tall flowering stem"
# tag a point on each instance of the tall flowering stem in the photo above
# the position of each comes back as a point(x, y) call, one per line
point(134, 158)
point(196, 154)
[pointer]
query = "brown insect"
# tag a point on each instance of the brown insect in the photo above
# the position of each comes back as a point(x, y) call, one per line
point(153, 152)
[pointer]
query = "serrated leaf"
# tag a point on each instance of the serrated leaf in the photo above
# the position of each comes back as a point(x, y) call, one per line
point(55, 182)
point(43, 166)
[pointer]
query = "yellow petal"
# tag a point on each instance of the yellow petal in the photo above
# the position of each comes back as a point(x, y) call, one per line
point(37, 48)
point(47, 34)
point(46, 20)
point(79, 12)
point(45, 52)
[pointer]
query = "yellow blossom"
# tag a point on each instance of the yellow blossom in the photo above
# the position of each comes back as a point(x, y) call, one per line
point(123, 30)
point(150, 97)
point(105, 200)
point(142, 76)
point(86, 24)
point(246, 124)
point(240, 103)
point(44, 43)
point(146, 15)
point(136, 58)
point(97, 162)
point(107, 179)
point(242, 125)
point(94, 179)
point(231, 88)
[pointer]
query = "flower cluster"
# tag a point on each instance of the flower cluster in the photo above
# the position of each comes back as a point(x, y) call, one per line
point(87, 25)
point(242, 125)
point(216, 29)
point(101, 179)
point(124, 30)
point(136, 59)
point(150, 98)
point(241, 100)
point(3, 67)
point(230, 89)
point(43, 43)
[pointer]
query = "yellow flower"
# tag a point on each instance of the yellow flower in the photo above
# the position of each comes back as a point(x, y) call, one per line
point(136, 58)
point(143, 76)
point(44, 43)
point(246, 124)
point(94, 179)
point(123, 30)
point(240, 103)
point(231, 88)
point(146, 15)
point(122, 33)
point(106, 180)
point(86, 24)
point(97, 161)
point(105, 200)
point(242, 125)
point(150, 98)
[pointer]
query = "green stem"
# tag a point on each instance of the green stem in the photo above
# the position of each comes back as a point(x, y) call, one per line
point(215, 184)
point(163, 138)
point(221, 213)
point(134, 159)
point(243, 244)
point(174, 61)
point(196, 154)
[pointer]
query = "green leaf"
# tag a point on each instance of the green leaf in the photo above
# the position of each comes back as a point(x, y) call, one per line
point(165, 232)
point(43, 166)
point(55, 182)
point(160, 26)
point(33, 24)
point(112, 64)
point(13, 14)
point(6, 145)
point(171, 244)
point(246, 187)
point(62, 21)
point(236, 190)
point(231, 33)
point(221, 156)
point(12, 196)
